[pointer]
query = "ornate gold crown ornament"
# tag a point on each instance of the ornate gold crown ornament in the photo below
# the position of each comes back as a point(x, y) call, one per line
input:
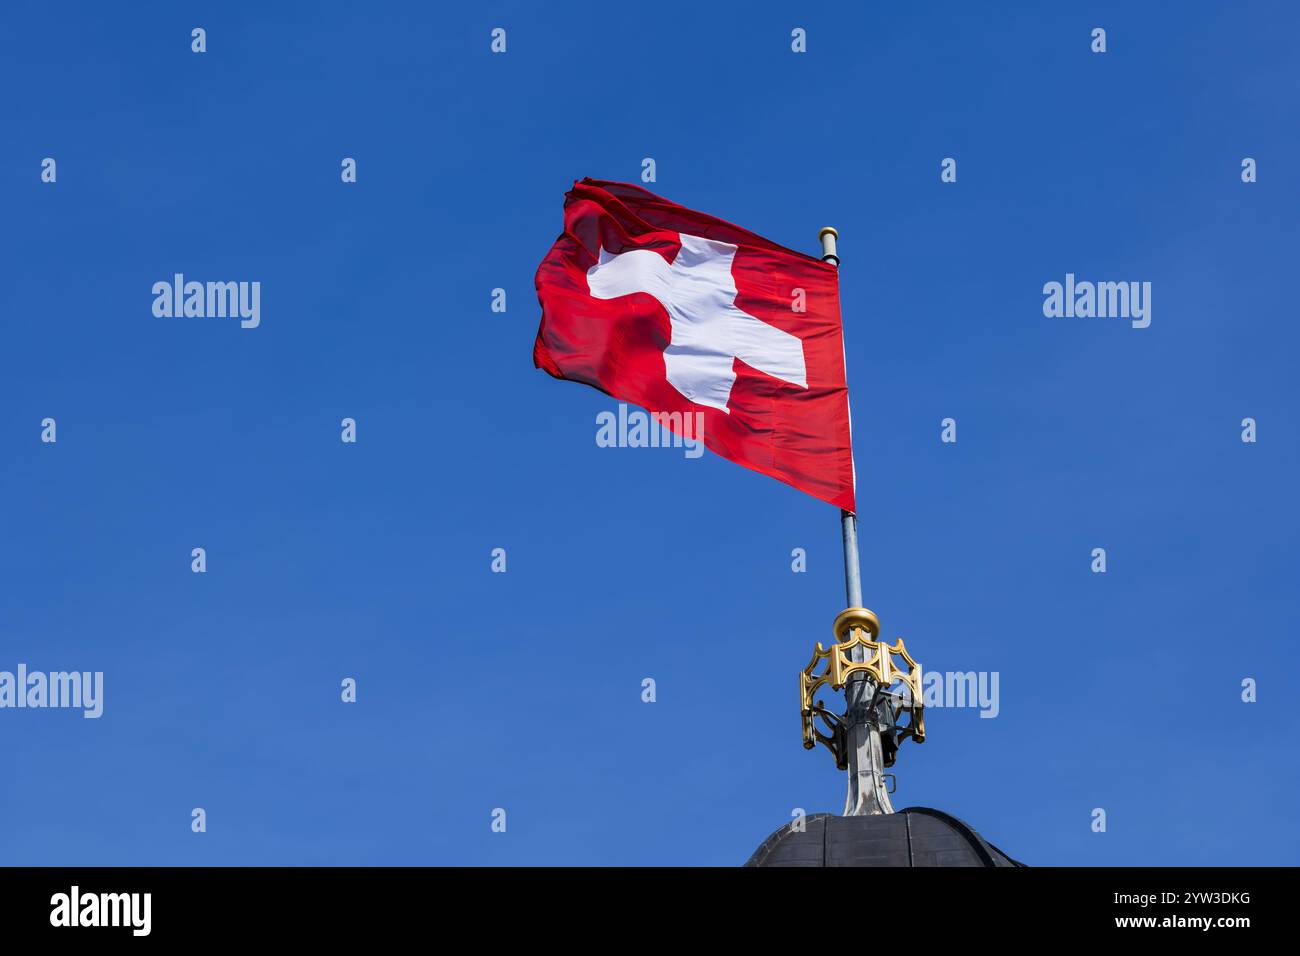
point(894, 688)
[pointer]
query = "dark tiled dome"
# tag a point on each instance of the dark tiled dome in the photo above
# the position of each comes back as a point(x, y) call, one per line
point(917, 836)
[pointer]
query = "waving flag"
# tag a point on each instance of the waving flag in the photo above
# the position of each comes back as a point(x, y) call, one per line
point(679, 312)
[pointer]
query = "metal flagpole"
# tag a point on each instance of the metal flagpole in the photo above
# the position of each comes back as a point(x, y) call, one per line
point(863, 717)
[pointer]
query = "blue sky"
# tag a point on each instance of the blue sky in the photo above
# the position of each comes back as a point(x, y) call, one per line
point(522, 690)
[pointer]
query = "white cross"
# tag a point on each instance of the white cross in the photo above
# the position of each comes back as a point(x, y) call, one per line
point(708, 331)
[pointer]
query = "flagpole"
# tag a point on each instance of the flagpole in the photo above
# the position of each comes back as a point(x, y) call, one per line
point(852, 571)
point(867, 794)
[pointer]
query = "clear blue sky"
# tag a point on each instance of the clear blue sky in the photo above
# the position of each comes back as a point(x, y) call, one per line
point(522, 690)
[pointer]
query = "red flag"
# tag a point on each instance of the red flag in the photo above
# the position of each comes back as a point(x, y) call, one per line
point(679, 312)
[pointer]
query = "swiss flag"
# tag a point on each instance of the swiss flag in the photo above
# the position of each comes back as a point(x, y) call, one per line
point(677, 311)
